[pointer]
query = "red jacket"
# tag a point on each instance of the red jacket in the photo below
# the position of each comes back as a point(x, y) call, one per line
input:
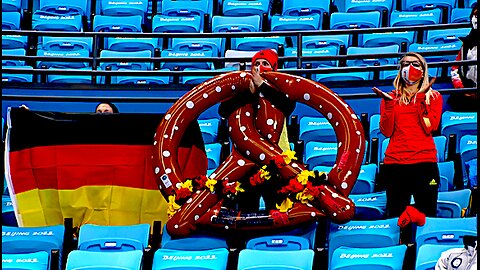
point(411, 140)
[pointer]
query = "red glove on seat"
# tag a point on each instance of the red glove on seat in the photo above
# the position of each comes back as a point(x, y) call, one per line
point(411, 214)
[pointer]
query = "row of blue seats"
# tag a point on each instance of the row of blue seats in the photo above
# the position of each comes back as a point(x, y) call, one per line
point(380, 236)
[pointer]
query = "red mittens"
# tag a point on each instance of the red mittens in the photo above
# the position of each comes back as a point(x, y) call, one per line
point(411, 214)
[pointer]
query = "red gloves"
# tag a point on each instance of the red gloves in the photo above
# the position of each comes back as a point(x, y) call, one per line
point(411, 214)
point(457, 83)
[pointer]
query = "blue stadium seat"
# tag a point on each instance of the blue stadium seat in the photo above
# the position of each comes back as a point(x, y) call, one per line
point(460, 15)
point(245, 8)
point(374, 129)
point(66, 43)
point(17, 240)
point(170, 259)
point(363, 234)
point(62, 63)
point(344, 76)
point(343, 20)
point(31, 261)
point(311, 42)
point(113, 238)
point(305, 7)
point(418, 5)
point(14, 42)
point(323, 51)
point(198, 79)
point(123, 8)
point(180, 8)
point(366, 179)
point(177, 24)
point(13, 52)
point(17, 77)
point(46, 21)
point(445, 231)
point(11, 20)
point(408, 18)
point(278, 243)
point(124, 64)
point(442, 36)
point(257, 43)
point(63, 78)
point(131, 44)
point(469, 3)
point(316, 129)
point(102, 23)
point(468, 154)
point(209, 129)
point(371, 206)
point(458, 123)
point(236, 24)
point(386, 39)
point(281, 260)
point(453, 204)
point(213, 151)
point(198, 44)
point(361, 6)
point(373, 51)
point(447, 172)
point(194, 242)
point(390, 258)
point(429, 254)
point(320, 153)
point(235, 54)
point(182, 65)
point(8, 213)
point(292, 23)
point(91, 260)
point(71, 7)
point(11, 5)
point(138, 79)
point(452, 49)
point(307, 231)
point(441, 145)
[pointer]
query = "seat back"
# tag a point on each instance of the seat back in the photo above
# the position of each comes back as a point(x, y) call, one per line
point(386, 39)
point(66, 43)
point(344, 76)
point(460, 124)
point(245, 7)
point(176, 24)
point(124, 64)
point(198, 44)
point(374, 60)
point(445, 231)
point(451, 50)
point(445, 36)
point(366, 179)
point(429, 254)
point(370, 206)
point(323, 51)
point(460, 15)
point(103, 23)
point(71, 7)
point(213, 151)
point(6, 77)
point(453, 204)
point(170, 259)
point(182, 65)
point(93, 260)
point(13, 52)
point(31, 261)
point(282, 260)
point(291, 23)
point(320, 153)
point(311, 42)
point(47, 21)
point(180, 8)
point(236, 24)
point(407, 18)
point(235, 54)
point(194, 242)
point(120, 8)
point(316, 129)
point(344, 20)
point(11, 20)
point(62, 63)
point(305, 7)
point(113, 238)
point(447, 172)
point(278, 242)
point(379, 258)
point(131, 44)
point(8, 213)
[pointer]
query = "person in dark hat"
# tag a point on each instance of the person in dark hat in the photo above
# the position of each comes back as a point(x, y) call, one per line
point(465, 76)
point(106, 108)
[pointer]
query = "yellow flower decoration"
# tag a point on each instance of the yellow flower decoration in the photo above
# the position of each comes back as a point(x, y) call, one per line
point(304, 197)
point(285, 206)
point(303, 176)
point(288, 156)
point(211, 184)
point(264, 174)
point(187, 184)
point(238, 188)
point(172, 206)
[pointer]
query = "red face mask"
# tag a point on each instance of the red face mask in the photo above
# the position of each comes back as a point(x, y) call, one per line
point(411, 74)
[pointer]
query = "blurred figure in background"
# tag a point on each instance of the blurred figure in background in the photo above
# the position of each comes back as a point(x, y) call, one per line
point(106, 107)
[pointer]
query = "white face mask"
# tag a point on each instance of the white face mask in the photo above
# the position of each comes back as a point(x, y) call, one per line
point(474, 22)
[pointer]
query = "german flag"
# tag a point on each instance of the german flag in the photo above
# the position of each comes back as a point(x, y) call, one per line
point(94, 168)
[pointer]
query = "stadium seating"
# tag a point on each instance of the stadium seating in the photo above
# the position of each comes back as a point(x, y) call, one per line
point(170, 259)
point(447, 172)
point(13, 52)
point(8, 214)
point(386, 39)
point(445, 231)
point(316, 129)
point(323, 51)
point(370, 206)
point(6, 77)
point(46, 21)
point(103, 23)
point(453, 204)
point(391, 258)
point(344, 76)
point(14, 42)
point(304, 8)
point(194, 242)
point(113, 238)
point(282, 260)
point(460, 15)
point(11, 5)
point(245, 8)
point(442, 36)
point(131, 44)
point(11, 20)
point(198, 44)
point(213, 151)
point(428, 5)
point(120, 8)
point(366, 179)
point(179, 8)
point(234, 54)
point(363, 234)
point(384, 7)
point(468, 155)
point(80, 259)
point(278, 243)
point(292, 23)
point(408, 18)
point(340, 20)
point(66, 44)
point(32, 261)
point(126, 65)
point(373, 61)
point(320, 153)
point(458, 123)
point(64, 7)
point(318, 41)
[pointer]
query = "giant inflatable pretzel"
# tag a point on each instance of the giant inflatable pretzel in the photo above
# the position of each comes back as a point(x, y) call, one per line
point(255, 133)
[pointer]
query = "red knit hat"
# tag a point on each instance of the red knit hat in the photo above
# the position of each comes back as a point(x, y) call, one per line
point(270, 55)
